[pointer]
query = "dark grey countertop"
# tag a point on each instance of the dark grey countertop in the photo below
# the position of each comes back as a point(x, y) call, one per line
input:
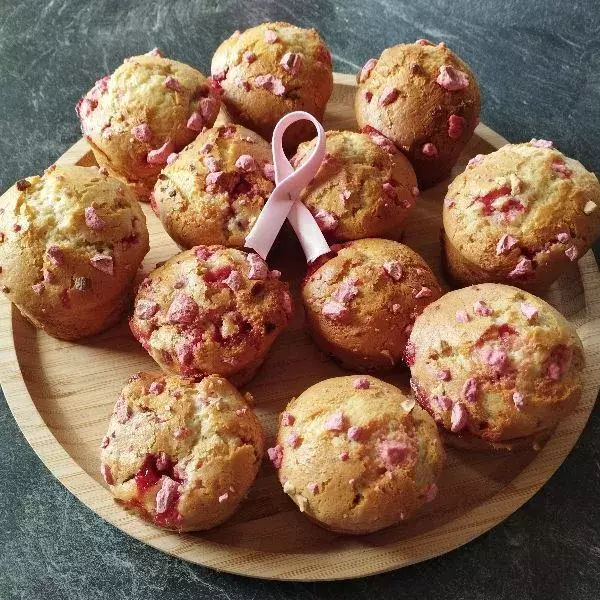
point(538, 63)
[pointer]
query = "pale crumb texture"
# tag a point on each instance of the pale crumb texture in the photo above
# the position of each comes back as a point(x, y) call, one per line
point(137, 98)
point(306, 86)
point(390, 465)
point(535, 195)
point(181, 454)
point(515, 366)
point(373, 284)
point(195, 212)
point(421, 111)
point(211, 310)
point(71, 242)
point(368, 190)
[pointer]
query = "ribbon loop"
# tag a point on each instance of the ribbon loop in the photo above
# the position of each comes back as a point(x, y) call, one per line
point(283, 202)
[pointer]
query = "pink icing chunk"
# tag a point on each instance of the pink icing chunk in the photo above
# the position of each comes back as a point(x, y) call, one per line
point(276, 455)
point(346, 292)
point(541, 143)
point(93, 220)
point(336, 422)
point(529, 310)
point(246, 163)
point(355, 433)
point(258, 267)
point(38, 288)
point(441, 402)
point(334, 310)
point(444, 375)
point(312, 487)
point(476, 160)
point(142, 132)
point(269, 171)
point(122, 411)
point(167, 495)
point(172, 158)
point(505, 243)
point(291, 62)
point(173, 84)
point(458, 418)
point(270, 36)
point(209, 107)
point(523, 268)
point(462, 316)
point(518, 400)
point(393, 453)
point(361, 383)
point(389, 95)
point(394, 269)
point(293, 439)
point(429, 150)
point(456, 127)
point(160, 155)
point(424, 292)
point(470, 390)
point(344, 455)
point(563, 237)
point(103, 263)
point(183, 310)
point(145, 309)
point(156, 387)
point(249, 57)
point(234, 280)
point(452, 79)
point(572, 253)
point(287, 419)
point(270, 84)
point(482, 309)
point(424, 42)
point(195, 122)
point(55, 254)
point(223, 497)
point(431, 493)
point(326, 220)
point(497, 359)
point(366, 70)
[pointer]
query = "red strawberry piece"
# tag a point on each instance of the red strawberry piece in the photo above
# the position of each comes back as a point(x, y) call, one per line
point(452, 79)
point(183, 310)
point(142, 132)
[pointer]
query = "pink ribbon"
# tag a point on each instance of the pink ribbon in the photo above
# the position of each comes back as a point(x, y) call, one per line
point(283, 203)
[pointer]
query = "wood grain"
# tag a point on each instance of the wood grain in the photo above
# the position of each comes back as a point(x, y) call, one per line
point(62, 393)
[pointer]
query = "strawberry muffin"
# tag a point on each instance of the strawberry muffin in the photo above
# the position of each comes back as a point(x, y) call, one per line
point(362, 189)
point(270, 70)
point(356, 454)
point(495, 366)
point(211, 309)
point(520, 215)
point(215, 189)
point(138, 118)
point(425, 99)
point(71, 242)
point(182, 454)
point(361, 302)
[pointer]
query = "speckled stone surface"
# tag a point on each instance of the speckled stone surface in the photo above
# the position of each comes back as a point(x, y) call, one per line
point(538, 63)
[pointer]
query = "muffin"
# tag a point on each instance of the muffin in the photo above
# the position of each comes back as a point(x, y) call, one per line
point(361, 302)
point(357, 455)
point(270, 70)
point(495, 366)
point(138, 118)
point(183, 455)
point(211, 310)
point(519, 215)
point(71, 241)
point(214, 191)
point(425, 99)
point(361, 188)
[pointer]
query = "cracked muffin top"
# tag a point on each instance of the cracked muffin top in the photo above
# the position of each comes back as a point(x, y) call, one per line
point(494, 363)
point(143, 114)
point(270, 70)
point(521, 214)
point(425, 99)
point(183, 454)
point(362, 188)
point(356, 454)
point(211, 310)
point(71, 241)
point(215, 189)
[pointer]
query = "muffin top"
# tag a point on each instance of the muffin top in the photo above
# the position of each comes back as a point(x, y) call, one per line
point(210, 310)
point(366, 297)
point(183, 453)
point(272, 69)
point(356, 454)
point(214, 191)
point(421, 96)
point(148, 109)
point(495, 362)
point(361, 189)
point(523, 208)
point(69, 238)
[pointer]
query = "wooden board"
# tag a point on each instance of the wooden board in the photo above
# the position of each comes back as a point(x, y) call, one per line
point(62, 394)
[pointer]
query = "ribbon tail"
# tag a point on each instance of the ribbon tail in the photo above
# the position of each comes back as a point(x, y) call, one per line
point(311, 238)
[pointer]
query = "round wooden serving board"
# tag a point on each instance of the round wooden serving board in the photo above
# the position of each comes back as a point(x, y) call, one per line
point(62, 393)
